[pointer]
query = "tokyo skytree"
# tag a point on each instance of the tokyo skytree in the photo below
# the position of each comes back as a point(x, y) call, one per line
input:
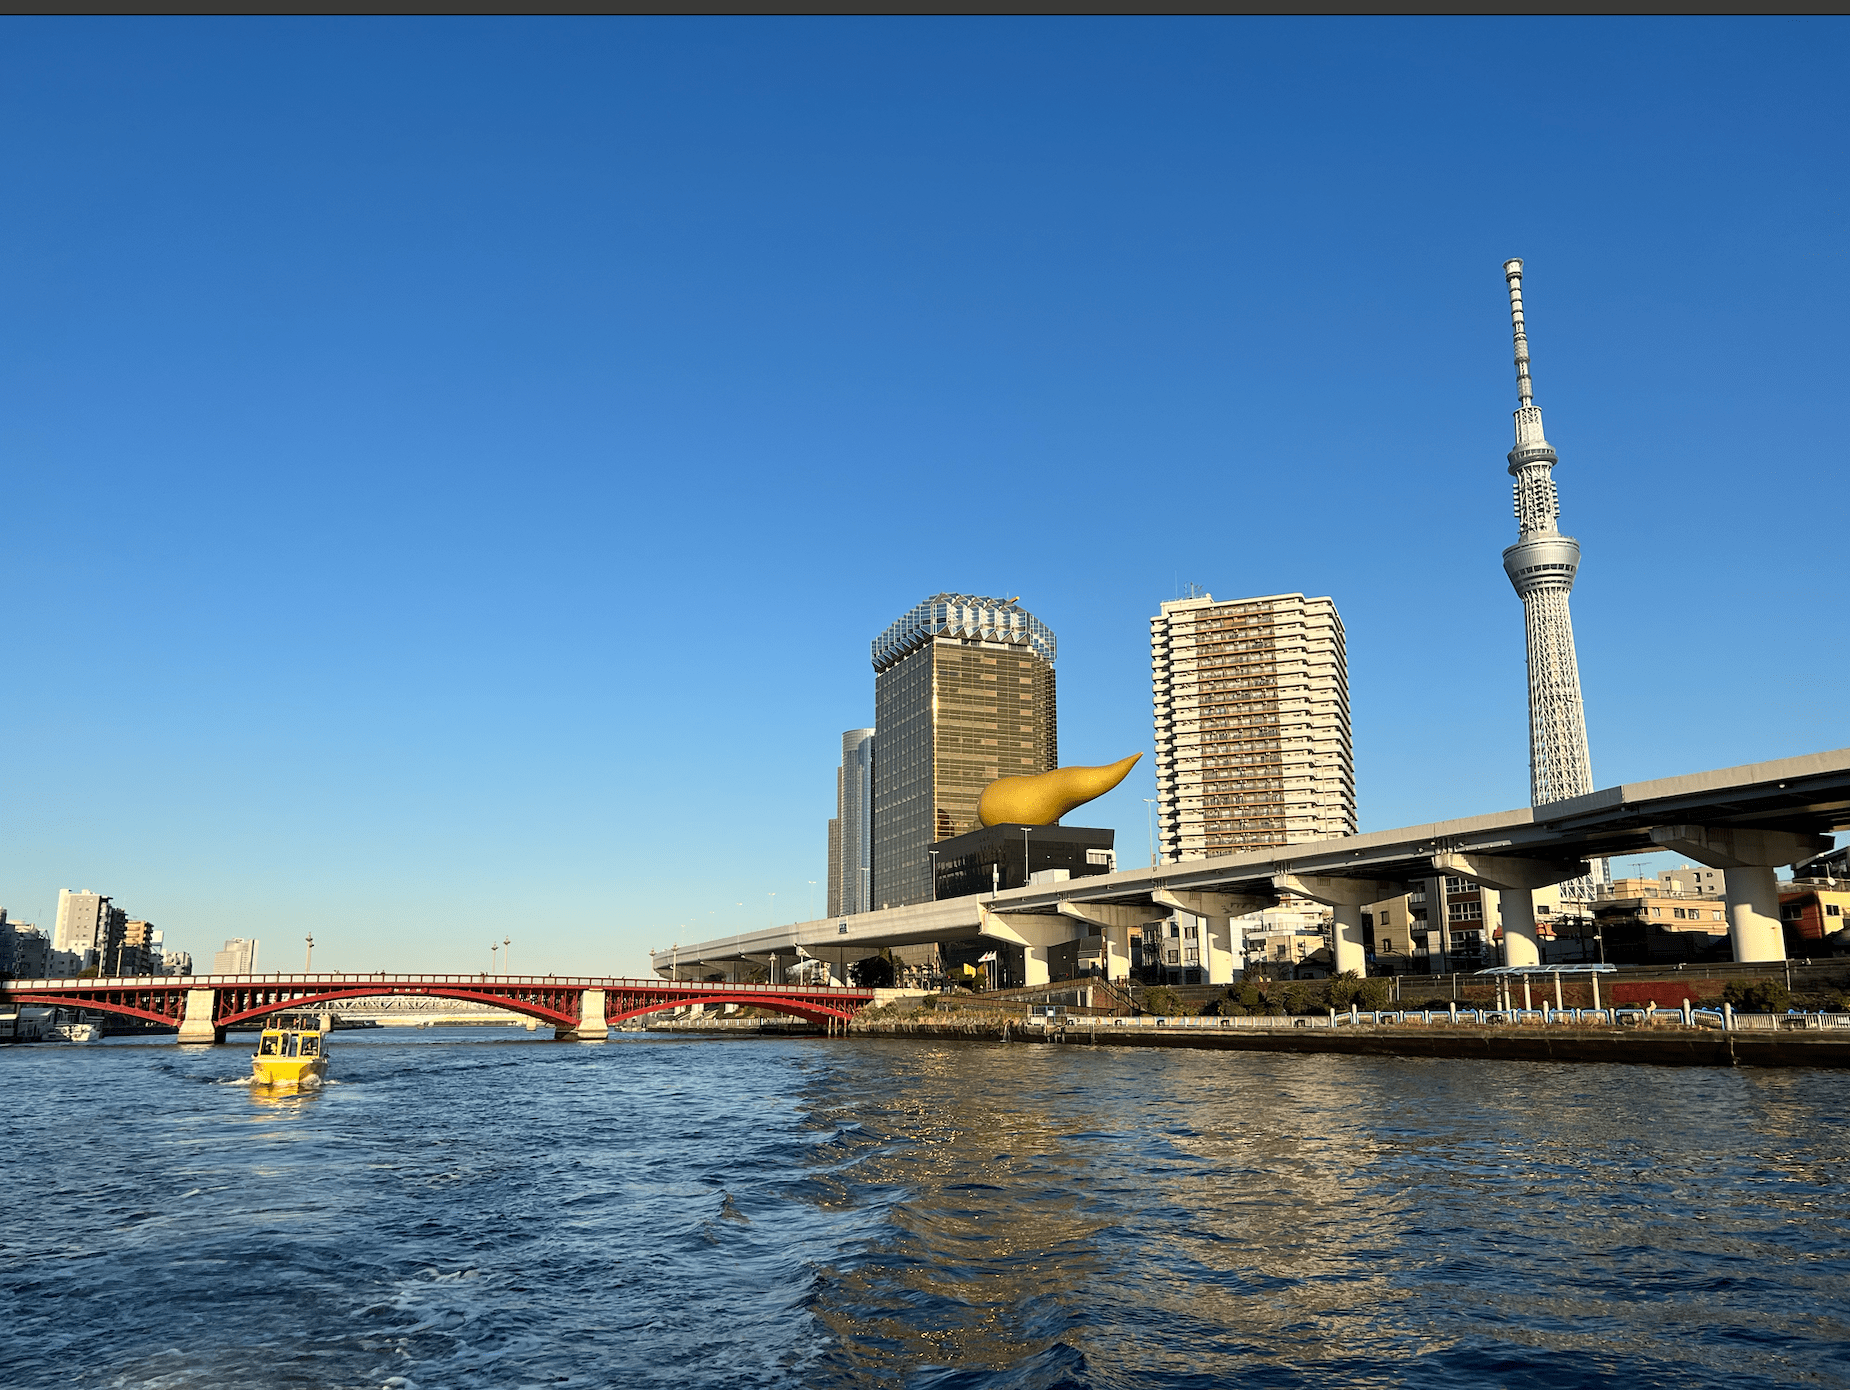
point(1542, 565)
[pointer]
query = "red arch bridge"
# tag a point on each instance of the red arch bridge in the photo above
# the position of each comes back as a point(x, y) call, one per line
point(202, 1007)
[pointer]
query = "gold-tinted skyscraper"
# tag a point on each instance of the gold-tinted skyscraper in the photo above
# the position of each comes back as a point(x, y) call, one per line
point(963, 694)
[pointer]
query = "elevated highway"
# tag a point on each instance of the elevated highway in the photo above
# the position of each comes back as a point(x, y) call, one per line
point(1746, 820)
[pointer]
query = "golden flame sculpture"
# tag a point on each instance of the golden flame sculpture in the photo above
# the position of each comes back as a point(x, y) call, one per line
point(1045, 797)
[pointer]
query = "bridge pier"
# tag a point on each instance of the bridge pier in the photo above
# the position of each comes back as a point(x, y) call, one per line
point(197, 1025)
point(591, 1025)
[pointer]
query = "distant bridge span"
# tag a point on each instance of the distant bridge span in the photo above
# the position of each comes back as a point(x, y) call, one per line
point(202, 1007)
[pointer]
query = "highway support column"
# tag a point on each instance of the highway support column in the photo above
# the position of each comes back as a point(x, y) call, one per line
point(196, 1025)
point(1223, 956)
point(1748, 857)
point(1345, 897)
point(1115, 922)
point(1515, 881)
point(1034, 932)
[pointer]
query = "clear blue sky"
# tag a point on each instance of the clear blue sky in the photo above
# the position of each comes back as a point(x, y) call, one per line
point(453, 470)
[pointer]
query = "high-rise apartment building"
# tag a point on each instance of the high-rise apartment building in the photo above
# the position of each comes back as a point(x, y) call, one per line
point(1252, 725)
point(238, 958)
point(851, 833)
point(89, 926)
point(963, 694)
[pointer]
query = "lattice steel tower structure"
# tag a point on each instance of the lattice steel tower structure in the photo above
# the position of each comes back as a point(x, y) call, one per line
point(1542, 565)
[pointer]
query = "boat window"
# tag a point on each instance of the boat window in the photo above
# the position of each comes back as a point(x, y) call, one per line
point(310, 1046)
point(289, 1050)
point(267, 1048)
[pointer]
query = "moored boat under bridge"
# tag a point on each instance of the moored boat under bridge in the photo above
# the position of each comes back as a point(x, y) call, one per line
point(203, 1007)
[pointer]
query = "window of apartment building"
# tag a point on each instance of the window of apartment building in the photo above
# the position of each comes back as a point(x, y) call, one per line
point(1467, 912)
point(1191, 931)
point(1833, 910)
point(1192, 956)
point(1387, 943)
point(1174, 956)
point(1790, 911)
point(1174, 930)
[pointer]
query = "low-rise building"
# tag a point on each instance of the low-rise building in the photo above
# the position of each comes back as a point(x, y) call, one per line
point(1641, 921)
point(1814, 909)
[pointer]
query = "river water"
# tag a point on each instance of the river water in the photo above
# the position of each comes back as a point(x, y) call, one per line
point(474, 1207)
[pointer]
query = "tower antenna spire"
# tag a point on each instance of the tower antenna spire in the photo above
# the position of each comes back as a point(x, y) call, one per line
point(1512, 275)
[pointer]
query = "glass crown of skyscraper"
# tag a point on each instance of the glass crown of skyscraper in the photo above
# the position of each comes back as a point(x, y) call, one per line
point(963, 615)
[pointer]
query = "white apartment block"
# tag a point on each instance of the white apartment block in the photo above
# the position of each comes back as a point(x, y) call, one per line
point(1253, 748)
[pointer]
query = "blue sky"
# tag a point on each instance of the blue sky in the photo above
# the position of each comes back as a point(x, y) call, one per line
point(453, 470)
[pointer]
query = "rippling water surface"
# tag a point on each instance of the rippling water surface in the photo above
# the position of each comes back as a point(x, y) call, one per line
point(477, 1208)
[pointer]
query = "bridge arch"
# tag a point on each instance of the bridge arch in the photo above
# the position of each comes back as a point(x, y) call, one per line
point(813, 1012)
point(557, 1006)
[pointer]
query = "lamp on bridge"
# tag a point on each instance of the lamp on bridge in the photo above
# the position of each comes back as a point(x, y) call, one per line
point(309, 963)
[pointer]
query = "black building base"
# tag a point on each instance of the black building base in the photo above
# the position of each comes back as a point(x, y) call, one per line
point(1002, 856)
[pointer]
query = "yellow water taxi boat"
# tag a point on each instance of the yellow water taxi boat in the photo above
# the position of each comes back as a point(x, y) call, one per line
point(291, 1052)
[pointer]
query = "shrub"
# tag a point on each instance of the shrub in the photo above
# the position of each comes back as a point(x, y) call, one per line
point(1300, 998)
point(1373, 994)
point(1757, 996)
point(1160, 999)
point(1344, 989)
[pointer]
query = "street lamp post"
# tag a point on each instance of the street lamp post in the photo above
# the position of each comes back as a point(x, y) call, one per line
point(507, 955)
point(309, 964)
point(932, 854)
point(493, 948)
point(1027, 867)
point(1149, 816)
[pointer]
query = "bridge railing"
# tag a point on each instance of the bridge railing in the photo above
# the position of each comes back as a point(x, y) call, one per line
point(482, 979)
